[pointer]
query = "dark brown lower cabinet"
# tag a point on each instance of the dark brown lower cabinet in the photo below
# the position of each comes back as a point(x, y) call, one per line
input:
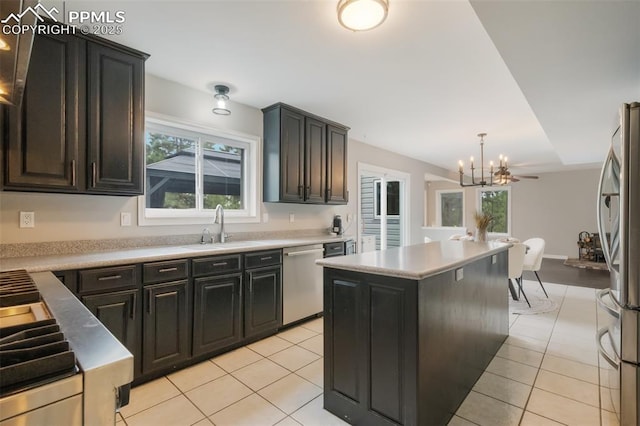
point(216, 312)
point(407, 352)
point(262, 300)
point(166, 325)
point(119, 312)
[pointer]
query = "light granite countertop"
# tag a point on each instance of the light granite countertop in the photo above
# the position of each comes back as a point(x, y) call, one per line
point(415, 262)
point(150, 254)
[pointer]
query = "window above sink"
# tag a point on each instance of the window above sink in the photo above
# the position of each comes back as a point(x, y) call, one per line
point(189, 169)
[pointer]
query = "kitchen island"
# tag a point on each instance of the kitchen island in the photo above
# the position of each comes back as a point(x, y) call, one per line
point(408, 331)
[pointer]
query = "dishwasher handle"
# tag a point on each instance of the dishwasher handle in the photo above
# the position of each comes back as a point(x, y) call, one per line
point(304, 252)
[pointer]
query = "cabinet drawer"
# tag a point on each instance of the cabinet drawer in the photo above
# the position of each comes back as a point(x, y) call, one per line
point(263, 258)
point(107, 278)
point(216, 265)
point(165, 271)
point(334, 249)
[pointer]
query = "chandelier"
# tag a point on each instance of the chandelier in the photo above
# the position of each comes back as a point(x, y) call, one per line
point(502, 179)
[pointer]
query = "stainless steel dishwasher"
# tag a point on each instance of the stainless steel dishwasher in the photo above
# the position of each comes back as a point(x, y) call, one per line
point(302, 283)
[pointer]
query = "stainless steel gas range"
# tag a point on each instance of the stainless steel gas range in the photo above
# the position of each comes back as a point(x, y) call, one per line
point(58, 363)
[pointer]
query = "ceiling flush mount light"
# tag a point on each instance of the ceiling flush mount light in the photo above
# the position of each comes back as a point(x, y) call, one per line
point(482, 181)
point(362, 15)
point(221, 97)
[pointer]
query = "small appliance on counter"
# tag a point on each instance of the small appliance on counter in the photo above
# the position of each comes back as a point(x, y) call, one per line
point(337, 225)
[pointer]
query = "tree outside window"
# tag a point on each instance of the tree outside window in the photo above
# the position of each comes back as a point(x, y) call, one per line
point(497, 203)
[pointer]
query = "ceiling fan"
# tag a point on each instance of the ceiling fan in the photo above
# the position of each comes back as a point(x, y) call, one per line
point(504, 176)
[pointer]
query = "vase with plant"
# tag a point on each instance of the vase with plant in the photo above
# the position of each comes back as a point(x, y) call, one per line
point(483, 220)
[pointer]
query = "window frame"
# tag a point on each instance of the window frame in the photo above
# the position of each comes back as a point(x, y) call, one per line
point(507, 189)
point(376, 194)
point(251, 184)
point(439, 192)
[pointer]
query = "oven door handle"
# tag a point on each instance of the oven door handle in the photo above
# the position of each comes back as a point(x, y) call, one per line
point(614, 361)
point(600, 295)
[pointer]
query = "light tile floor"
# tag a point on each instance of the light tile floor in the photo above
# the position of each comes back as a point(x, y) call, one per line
point(548, 372)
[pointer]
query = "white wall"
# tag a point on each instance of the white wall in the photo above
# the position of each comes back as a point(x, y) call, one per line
point(555, 207)
point(64, 217)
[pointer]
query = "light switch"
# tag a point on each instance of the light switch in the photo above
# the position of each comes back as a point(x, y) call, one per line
point(494, 259)
point(292, 217)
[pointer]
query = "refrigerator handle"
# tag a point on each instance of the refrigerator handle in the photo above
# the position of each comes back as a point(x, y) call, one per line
point(614, 361)
point(602, 233)
point(600, 295)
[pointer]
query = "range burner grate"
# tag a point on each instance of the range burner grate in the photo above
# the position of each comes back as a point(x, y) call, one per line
point(17, 288)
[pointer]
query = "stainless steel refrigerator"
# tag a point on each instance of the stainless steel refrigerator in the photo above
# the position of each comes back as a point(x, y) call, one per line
point(619, 228)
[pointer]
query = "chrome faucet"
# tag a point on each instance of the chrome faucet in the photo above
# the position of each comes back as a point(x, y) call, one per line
point(220, 219)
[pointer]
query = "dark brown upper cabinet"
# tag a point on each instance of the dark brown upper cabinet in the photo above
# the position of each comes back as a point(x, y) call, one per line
point(304, 157)
point(80, 127)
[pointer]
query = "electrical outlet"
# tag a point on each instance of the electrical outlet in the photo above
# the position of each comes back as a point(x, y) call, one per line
point(265, 217)
point(292, 218)
point(27, 220)
point(125, 219)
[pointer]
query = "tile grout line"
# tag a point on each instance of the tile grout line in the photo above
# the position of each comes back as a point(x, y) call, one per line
point(546, 348)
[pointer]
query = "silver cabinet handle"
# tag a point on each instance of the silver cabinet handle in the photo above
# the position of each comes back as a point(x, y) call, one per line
point(73, 172)
point(266, 258)
point(110, 278)
point(94, 172)
point(134, 300)
point(600, 295)
point(612, 360)
point(220, 264)
point(168, 269)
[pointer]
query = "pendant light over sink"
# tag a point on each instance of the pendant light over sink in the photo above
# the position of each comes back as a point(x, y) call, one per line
point(362, 15)
point(221, 98)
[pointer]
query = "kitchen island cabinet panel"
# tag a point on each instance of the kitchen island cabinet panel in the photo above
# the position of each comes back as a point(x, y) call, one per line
point(217, 313)
point(402, 351)
point(166, 325)
point(345, 370)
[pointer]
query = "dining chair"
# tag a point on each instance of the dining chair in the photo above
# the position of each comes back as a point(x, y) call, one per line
point(517, 254)
point(533, 258)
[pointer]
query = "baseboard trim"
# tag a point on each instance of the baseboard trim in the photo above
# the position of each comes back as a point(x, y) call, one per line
point(555, 256)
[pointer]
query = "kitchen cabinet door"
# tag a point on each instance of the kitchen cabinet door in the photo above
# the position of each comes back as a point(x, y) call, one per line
point(216, 313)
point(115, 108)
point(262, 300)
point(315, 161)
point(119, 313)
point(46, 131)
point(292, 156)
point(337, 166)
point(166, 325)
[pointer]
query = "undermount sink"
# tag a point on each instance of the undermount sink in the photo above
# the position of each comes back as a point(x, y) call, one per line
point(225, 246)
point(23, 314)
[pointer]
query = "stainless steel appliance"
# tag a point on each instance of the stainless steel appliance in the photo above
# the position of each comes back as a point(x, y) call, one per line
point(619, 228)
point(60, 365)
point(301, 283)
